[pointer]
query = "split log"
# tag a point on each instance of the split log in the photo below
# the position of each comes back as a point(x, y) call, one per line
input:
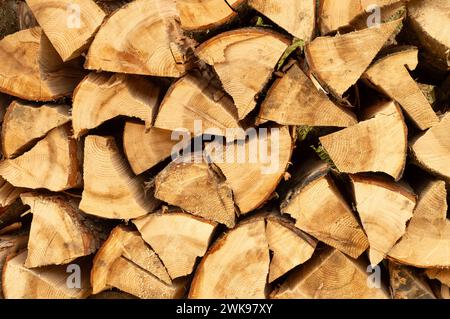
point(384, 208)
point(178, 239)
point(431, 150)
point(122, 43)
point(294, 100)
point(331, 275)
point(192, 99)
point(69, 24)
point(321, 211)
point(296, 17)
point(34, 71)
point(390, 74)
point(24, 123)
point(244, 60)
point(10, 245)
point(52, 164)
point(253, 169)
point(8, 193)
point(126, 262)
point(377, 144)
point(146, 148)
point(432, 200)
point(406, 283)
point(59, 232)
point(51, 282)
point(186, 181)
point(110, 189)
point(101, 97)
point(338, 62)
point(245, 248)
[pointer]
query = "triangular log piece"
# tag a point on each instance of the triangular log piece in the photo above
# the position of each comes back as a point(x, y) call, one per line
point(432, 200)
point(10, 245)
point(407, 283)
point(8, 193)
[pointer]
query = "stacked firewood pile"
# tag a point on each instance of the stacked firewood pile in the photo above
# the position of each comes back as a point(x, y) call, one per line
point(225, 149)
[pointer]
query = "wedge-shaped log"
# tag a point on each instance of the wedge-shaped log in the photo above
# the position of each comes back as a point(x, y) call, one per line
point(110, 188)
point(390, 74)
point(10, 245)
point(24, 123)
point(244, 60)
point(101, 97)
point(338, 62)
point(8, 193)
point(52, 164)
point(432, 200)
point(178, 238)
point(69, 24)
point(377, 144)
point(407, 283)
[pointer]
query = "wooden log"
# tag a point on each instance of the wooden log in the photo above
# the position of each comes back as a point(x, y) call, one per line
point(69, 24)
point(244, 247)
point(338, 62)
point(10, 245)
point(244, 60)
point(406, 283)
point(384, 208)
point(34, 70)
point(59, 232)
point(390, 74)
point(52, 164)
point(24, 123)
point(431, 150)
point(126, 34)
point(330, 275)
point(50, 282)
point(432, 200)
point(101, 97)
point(320, 210)
point(178, 238)
point(294, 100)
point(377, 144)
point(126, 262)
point(8, 193)
point(109, 182)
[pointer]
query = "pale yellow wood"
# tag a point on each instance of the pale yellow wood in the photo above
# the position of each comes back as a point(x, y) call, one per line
point(338, 62)
point(52, 164)
point(146, 148)
point(406, 283)
point(236, 266)
point(139, 38)
point(69, 36)
point(294, 100)
point(244, 60)
point(8, 193)
point(432, 200)
point(25, 122)
point(10, 245)
point(384, 208)
point(390, 74)
point(377, 144)
point(178, 239)
point(101, 97)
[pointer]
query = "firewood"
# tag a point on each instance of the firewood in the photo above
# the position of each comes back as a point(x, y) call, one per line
point(45, 77)
point(186, 181)
point(101, 97)
point(384, 208)
point(10, 245)
point(377, 144)
point(146, 148)
point(432, 200)
point(431, 150)
point(331, 275)
point(244, 60)
point(338, 62)
point(390, 74)
point(70, 33)
point(8, 193)
point(254, 176)
point(296, 17)
point(122, 43)
point(321, 211)
point(24, 123)
point(294, 100)
point(59, 232)
point(193, 99)
point(406, 283)
point(215, 276)
point(178, 238)
point(109, 183)
point(52, 164)
point(12, 213)
point(49, 282)
point(126, 262)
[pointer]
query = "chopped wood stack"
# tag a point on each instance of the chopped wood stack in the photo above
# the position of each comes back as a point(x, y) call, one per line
point(225, 149)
